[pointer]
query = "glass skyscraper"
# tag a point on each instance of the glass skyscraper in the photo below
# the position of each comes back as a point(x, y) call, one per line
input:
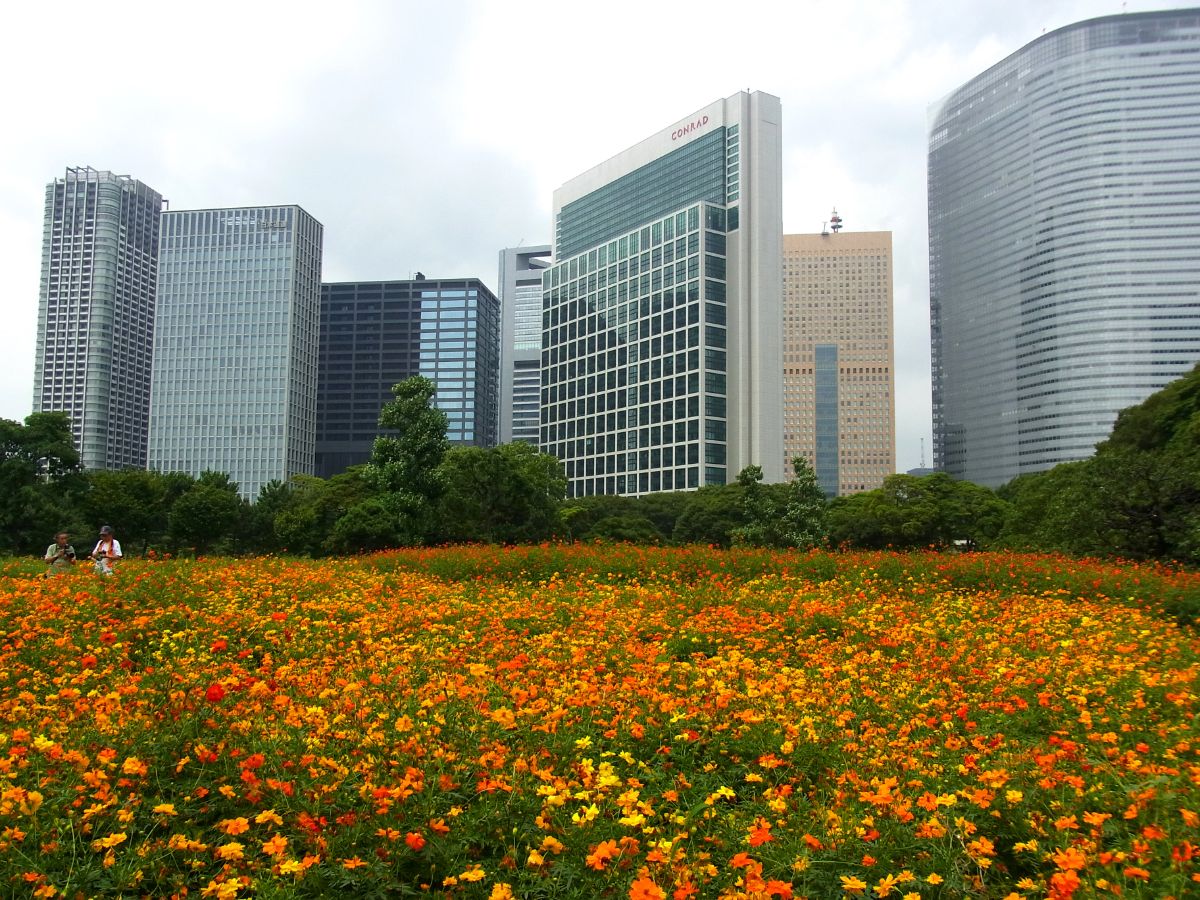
point(235, 350)
point(1064, 241)
point(375, 334)
point(661, 338)
point(521, 341)
point(96, 313)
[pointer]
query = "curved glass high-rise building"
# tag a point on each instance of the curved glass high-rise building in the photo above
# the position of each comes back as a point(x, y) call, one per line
point(1064, 241)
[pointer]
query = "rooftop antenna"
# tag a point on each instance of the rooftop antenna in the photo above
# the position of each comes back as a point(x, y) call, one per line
point(825, 229)
point(835, 221)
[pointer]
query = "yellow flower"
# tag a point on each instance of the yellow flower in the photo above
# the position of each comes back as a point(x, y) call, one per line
point(935, 878)
point(290, 867)
point(853, 885)
point(535, 859)
point(268, 815)
point(113, 840)
point(231, 851)
point(221, 890)
point(166, 809)
point(475, 873)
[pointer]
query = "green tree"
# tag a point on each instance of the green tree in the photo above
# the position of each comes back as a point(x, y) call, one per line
point(782, 515)
point(712, 515)
point(580, 516)
point(506, 494)
point(918, 511)
point(136, 502)
point(634, 528)
point(404, 467)
point(1138, 496)
point(364, 527)
point(663, 509)
point(38, 478)
point(206, 516)
point(805, 513)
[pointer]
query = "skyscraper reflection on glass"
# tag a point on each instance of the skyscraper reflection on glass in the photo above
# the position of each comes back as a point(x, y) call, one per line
point(1064, 241)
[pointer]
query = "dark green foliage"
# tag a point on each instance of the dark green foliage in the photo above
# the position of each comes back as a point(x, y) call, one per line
point(506, 494)
point(136, 502)
point(663, 510)
point(636, 529)
point(404, 471)
point(204, 518)
point(364, 527)
point(782, 515)
point(581, 515)
point(711, 516)
point(914, 512)
point(38, 478)
point(1138, 497)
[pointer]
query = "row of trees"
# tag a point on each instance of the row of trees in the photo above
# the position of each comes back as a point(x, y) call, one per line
point(1139, 496)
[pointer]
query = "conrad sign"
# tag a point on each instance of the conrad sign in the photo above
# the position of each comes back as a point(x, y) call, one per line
point(689, 128)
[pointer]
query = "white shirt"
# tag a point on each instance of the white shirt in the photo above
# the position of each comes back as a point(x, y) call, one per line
point(114, 549)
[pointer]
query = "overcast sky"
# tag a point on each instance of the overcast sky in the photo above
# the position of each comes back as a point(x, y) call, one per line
point(427, 136)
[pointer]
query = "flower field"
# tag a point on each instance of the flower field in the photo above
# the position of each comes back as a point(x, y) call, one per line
point(601, 722)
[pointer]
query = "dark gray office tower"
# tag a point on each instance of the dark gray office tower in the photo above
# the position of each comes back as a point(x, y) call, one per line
point(1064, 241)
point(96, 313)
point(521, 341)
point(375, 334)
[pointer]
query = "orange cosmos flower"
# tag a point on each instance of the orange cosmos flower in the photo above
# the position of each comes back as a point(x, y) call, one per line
point(414, 840)
point(601, 854)
point(644, 888)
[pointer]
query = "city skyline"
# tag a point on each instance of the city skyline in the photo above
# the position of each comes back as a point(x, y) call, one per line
point(856, 83)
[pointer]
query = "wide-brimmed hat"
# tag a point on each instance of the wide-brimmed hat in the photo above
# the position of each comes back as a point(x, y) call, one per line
point(106, 529)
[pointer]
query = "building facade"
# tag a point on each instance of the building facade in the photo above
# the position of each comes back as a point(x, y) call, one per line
point(661, 338)
point(521, 342)
point(839, 395)
point(1064, 241)
point(375, 334)
point(96, 310)
point(235, 350)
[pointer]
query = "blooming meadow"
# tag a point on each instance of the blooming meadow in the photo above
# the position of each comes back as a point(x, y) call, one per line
point(601, 722)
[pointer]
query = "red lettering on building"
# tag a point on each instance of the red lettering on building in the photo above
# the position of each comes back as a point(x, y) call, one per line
point(687, 129)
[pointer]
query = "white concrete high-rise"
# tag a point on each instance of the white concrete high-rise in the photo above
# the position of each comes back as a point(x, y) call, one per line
point(96, 313)
point(521, 341)
point(235, 350)
point(661, 322)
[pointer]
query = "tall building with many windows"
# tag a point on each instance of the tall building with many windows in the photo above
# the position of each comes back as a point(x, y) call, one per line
point(96, 313)
point(661, 338)
point(375, 334)
point(1064, 241)
point(521, 341)
point(839, 384)
point(235, 350)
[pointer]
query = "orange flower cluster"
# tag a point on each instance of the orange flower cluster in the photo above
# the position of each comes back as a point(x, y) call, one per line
point(634, 723)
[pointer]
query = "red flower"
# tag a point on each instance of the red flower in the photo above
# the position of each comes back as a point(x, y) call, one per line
point(414, 840)
point(215, 693)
